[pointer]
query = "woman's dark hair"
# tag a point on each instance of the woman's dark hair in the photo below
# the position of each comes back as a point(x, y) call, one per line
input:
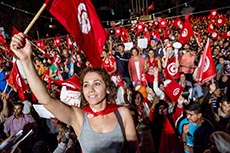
point(134, 93)
point(111, 87)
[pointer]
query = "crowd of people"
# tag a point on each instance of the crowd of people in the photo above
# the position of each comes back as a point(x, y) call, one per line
point(124, 106)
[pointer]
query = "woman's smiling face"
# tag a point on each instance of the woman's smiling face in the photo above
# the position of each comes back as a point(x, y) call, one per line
point(94, 88)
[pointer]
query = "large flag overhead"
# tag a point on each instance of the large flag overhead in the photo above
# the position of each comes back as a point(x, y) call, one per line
point(81, 21)
point(206, 68)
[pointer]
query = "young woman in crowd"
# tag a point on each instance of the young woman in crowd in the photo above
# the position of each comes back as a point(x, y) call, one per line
point(96, 126)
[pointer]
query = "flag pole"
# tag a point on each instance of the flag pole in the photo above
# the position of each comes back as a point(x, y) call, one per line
point(35, 18)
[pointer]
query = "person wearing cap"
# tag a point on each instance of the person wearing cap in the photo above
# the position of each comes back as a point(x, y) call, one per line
point(18, 120)
point(158, 52)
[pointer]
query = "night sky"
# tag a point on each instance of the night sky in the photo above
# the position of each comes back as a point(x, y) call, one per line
point(107, 10)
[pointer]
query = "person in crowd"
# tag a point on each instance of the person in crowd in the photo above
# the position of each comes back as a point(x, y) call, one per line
point(219, 142)
point(97, 121)
point(18, 120)
point(56, 70)
point(122, 60)
point(187, 63)
point(136, 66)
point(187, 85)
point(3, 84)
point(195, 129)
point(223, 112)
point(80, 64)
point(5, 109)
point(151, 62)
point(109, 64)
point(219, 67)
point(69, 66)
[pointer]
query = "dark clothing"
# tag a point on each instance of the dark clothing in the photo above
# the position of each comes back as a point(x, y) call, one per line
point(201, 136)
point(122, 64)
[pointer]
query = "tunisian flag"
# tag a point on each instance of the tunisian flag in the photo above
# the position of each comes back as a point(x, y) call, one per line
point(173, 90)
point(19, 83)
point(171, 71)
point(206, 68)
point(186, 33)
point(80, 19)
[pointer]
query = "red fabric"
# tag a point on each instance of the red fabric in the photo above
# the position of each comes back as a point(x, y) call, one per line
point(210, 28)
point(109, 109)
point(41, 44)
point(80, 19)
point(163, 23)
point(225, 35)
point(173, 90)
point(221, 20)
point(19, 83)
point(117, 31)
point(171, 71)
point(108, 65)
point(178, 23)
point(119, 81)
point(14, 31)
point(166, 33)
point(213, 13)
point(206, 68)
point(149, 73)
point(72, 83)
point(186, 33)
point(186, 17)
point(57, 41)
point(169, 142)
point(2, 39)
point(150, 8)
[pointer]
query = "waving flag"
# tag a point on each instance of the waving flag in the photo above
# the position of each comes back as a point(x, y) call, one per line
point(186, 33)
point(19, 83)
point(171, 71)
point(206, 68)
point(80, 19)
point(173, 90)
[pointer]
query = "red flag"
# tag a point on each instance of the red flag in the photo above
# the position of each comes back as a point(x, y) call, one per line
point(163, 23)
point(178, 23)
point(80, 19)
point(2, 39)
point(150, 8)
point(14, 31)
point(166, 33)
point(117, 31)
point(221, 20)
point(57, 41)
point(186, 17)
point(124, 35)
point(171, 71)
point(72, 83)
point(214, 35)
point(206, 68)
point(41, 44)
point(213, 13)
point(225, 35)
point(186, 33)
point(19, 83)
point(210, 28)
point(173, 90)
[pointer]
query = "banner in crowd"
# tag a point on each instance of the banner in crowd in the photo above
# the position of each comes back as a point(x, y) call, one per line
point(80, 19)
point(206, 69)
